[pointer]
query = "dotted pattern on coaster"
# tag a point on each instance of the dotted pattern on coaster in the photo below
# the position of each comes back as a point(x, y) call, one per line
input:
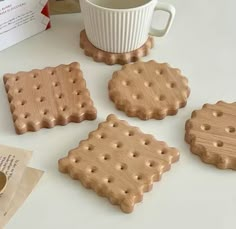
point(211, 133)
point(119, 162)
point(48, 97)
point(99, 55)
point(149, 90)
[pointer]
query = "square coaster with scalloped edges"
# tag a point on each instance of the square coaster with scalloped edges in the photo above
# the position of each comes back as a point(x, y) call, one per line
point(48, 97)
point(119, 162)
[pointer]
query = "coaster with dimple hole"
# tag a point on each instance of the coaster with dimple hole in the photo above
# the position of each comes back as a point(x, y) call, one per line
point(48, 97)
point(99, 55)
point(119, 162)
point(211, 134)
point(149, 90)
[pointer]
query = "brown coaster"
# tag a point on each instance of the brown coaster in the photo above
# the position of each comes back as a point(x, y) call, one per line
point(114, 58)
point(211, 134)
point(48, 97)
point(149, 90)
point(119, 162)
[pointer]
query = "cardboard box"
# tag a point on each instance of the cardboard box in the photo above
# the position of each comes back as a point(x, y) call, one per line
point(64, 6)
point(20, 19)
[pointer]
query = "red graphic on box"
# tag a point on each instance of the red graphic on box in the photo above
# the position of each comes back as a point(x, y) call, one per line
point(45, 12)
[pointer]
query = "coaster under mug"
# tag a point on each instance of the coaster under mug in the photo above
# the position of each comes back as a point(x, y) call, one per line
point(122, 26)
point(109, 58)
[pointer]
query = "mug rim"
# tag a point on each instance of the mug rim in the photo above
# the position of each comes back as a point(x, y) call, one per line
point(128, 9)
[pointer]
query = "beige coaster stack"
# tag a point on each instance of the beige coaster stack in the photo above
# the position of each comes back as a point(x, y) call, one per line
point(64, 6)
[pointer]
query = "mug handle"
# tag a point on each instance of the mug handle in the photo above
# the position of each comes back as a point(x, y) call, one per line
point(169, 9)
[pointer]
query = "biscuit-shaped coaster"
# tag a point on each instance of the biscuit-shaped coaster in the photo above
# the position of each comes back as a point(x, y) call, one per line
point(211, 133)
point(99, 55)
point(149, 90)
point(48, 97)
point(119, 162)
point(3, 182)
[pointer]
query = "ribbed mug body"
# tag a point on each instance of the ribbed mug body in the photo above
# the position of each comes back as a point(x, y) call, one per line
point(117, 30)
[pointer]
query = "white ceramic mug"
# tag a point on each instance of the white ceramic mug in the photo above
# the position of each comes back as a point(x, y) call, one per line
point(120, 26)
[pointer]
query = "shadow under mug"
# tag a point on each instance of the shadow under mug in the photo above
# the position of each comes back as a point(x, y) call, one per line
point(121, 26)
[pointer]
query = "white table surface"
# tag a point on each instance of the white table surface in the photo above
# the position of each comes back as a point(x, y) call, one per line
point(192, 195)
